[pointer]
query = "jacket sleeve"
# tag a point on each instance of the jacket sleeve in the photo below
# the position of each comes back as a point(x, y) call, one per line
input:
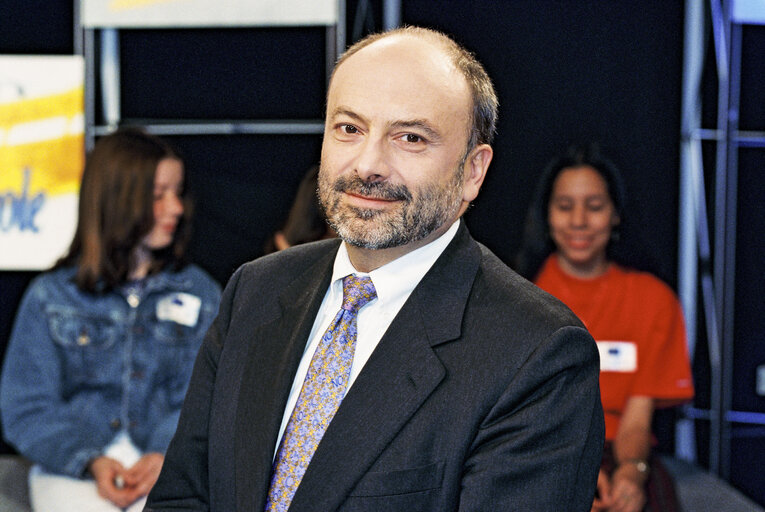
point(36, 419)
point(540, 446)
point(183, 483)
point(162, 434)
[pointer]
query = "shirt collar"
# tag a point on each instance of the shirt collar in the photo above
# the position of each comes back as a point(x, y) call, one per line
point(399, 277)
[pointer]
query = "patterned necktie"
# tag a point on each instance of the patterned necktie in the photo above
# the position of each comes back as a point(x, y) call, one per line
point(323, 390)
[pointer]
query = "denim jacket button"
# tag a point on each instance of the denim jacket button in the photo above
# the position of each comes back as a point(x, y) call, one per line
point(133, 300)
point(115, 424)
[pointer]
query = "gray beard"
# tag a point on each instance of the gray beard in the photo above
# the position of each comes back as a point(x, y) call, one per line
point(413, 219)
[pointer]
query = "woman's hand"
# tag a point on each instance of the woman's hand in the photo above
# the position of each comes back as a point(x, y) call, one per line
point(627, 489)
point(143, 475)
point(603, 499)
point(109, 475)
point(123, 486)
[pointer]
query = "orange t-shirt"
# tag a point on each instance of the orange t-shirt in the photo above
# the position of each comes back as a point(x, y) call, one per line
point(638, 324)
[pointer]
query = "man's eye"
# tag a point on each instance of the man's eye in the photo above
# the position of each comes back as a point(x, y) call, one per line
point(349, 128)
point(412, 138)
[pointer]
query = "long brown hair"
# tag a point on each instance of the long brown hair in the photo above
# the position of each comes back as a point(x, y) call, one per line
point(116, 210)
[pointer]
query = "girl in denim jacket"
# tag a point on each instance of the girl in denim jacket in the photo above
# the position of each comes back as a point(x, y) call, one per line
point(103, 345)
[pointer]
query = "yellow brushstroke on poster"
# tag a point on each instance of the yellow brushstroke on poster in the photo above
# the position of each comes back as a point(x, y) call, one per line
point(56, 165)
point(68, 103)
point(45, 136)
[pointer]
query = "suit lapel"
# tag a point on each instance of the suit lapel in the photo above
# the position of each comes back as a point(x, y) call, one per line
point(267, 379)
point(398, 377)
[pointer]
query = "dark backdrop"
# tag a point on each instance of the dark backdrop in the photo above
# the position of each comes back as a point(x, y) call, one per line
point(565, 71)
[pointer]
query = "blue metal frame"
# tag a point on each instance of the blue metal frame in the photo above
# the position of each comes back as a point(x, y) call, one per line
point(713, 264)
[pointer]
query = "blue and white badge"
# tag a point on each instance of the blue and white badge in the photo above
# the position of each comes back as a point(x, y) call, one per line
point(617, 356)
point(181, 308)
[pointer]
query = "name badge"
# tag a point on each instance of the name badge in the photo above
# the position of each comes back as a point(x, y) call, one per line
point(617, 356)
point(181, 308)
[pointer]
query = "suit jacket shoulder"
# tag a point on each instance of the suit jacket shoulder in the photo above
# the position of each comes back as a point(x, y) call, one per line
point(517, 301)
point(258, 284)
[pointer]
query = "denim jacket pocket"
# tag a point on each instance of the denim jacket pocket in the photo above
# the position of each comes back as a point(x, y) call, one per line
point(175, 334)
point(176, 346)
point(177, 319)
point(84, 340)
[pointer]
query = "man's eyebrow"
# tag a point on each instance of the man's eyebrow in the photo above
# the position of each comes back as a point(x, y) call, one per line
point(341, 111)
point(419, 124)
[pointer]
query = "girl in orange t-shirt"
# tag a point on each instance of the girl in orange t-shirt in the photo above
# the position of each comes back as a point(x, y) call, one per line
point(634, 317)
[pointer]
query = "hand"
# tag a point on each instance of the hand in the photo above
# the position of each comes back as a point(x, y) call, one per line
point(627, 489)
point(603, 499)
point(106, 471)
point(144, 473)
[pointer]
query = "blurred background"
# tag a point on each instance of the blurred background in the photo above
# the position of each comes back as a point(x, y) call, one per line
point(611, 71)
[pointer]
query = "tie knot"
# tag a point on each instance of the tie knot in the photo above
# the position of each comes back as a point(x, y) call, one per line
point(357, 291)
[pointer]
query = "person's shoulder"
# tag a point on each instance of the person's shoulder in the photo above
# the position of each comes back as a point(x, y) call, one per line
point(53, 281)
point(56, 287)
point(511, 318)
point(257, 282)
point(58, 274)
point(644, 284)
point(294, 258)
point(277, 269)
point(519, 299)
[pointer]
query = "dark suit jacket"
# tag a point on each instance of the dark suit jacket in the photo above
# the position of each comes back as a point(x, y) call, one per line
point(481, 396)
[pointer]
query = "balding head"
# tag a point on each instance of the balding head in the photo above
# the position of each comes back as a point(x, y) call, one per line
point(483, 120)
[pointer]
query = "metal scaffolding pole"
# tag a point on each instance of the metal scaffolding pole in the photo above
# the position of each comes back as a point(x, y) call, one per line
point(690, 147)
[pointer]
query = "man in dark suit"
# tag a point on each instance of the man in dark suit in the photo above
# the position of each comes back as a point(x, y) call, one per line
point(469, 388)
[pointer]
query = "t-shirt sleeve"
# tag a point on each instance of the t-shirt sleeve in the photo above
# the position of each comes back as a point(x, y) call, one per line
point(664, 367)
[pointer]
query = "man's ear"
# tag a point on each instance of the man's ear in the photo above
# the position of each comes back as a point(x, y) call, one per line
point(476, 165)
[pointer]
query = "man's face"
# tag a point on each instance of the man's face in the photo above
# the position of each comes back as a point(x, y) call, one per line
point(396, 131)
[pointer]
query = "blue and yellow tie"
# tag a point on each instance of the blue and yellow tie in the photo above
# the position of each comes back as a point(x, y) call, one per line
point(323, 390)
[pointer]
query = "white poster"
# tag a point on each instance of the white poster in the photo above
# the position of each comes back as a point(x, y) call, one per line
point(42, 153)
point(207, 13)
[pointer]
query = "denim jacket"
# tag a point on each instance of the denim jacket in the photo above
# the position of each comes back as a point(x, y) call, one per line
point(80, 367)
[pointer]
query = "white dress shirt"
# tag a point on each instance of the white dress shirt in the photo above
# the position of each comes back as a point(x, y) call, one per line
point(394, 282)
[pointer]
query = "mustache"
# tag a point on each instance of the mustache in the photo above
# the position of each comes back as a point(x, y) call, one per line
point(372, 190)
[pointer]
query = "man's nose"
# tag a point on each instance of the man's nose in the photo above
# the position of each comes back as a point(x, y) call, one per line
point(372, 160)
